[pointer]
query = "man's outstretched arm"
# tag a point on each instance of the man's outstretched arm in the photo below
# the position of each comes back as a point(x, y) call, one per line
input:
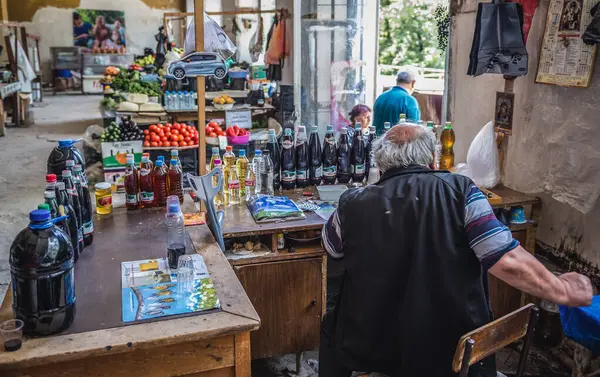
point(523, 271)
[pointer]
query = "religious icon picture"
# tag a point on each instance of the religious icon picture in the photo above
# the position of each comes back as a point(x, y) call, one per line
point(504, 111)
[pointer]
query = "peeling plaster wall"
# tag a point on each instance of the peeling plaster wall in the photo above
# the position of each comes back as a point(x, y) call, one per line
point(55, 25)
point(542, 114)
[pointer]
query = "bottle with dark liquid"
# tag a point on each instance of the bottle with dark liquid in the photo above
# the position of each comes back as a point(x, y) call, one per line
point(174, 181)
point(273, 146)
point(66, 209)
point(301, 158)
point(74, 201)
point(159, 176)
point(51, 184)
point(329, 157)
point(42, 276)
point(314, 157)
point(344, 172)
point(146, 183)
point(288, 161)
point(132, 198)
point(368, 148)
point(357, 158)
point(86, 205)
point(66, 150)
point(52, 203)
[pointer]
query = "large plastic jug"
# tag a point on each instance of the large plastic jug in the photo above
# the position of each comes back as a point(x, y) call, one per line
point(66, 150)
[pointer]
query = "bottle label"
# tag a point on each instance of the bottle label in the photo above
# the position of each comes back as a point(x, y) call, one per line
point(147, 196)
point(83, 182)
point(80, 234)
point(144, 172)
point(358, 168)
point(88, 228)
point(330, 140)
point(249, 182)
point(72, 191)
point(234, 185)
point(61, 210)
point(289, 176)
point(287, 144)
point(131, 198)
point(104, 202)
point(318, 172)
point(330, 171)
point(301, 175)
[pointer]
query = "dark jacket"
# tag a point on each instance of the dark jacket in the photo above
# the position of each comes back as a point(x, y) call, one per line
point(412, 286)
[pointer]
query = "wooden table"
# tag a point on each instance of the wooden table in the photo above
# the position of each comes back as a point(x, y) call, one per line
point(287, 289)
point(98, 344)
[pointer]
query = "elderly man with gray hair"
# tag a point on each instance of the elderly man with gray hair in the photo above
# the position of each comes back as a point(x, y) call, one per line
point(416, 248)
point(398, 100)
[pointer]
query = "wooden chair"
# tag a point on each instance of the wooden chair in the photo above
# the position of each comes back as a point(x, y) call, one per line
point(486, 340)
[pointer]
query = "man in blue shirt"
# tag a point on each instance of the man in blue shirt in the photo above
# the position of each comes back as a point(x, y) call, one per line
point(81, 31)
point(396, 101)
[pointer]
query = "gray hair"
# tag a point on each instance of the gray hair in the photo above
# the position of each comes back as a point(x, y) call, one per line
point(417, 150)
point(406, 75)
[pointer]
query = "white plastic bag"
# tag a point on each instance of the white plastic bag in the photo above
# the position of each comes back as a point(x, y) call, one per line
point(483, 159)
point(215, 39)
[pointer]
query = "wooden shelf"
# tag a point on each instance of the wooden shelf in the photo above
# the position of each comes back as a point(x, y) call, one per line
point(170, 148)
point(520, 227)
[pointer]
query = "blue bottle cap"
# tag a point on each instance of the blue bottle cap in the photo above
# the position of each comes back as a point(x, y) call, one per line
point(173, 208)
point(159, 163)
point(258, 152)
point(39, 215)
point(160, 158)
point(65, 143)
point(242, 153)
point(173, 161)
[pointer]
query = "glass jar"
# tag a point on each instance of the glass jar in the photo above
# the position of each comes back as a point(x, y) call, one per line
point(103, 198)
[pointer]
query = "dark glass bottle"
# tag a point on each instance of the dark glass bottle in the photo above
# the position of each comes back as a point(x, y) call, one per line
point(73, 197)
point(315, 172)
point(301, 158)
point(273, 146)
point(368, 147)
point(357, 158)
point(344, 173)
point(66, 209)
point(288, 161)
point(86, 204)
point(329, 158)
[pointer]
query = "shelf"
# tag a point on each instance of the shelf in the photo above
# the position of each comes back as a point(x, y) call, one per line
point(520, 227)
point(211, 109)
point(170, 148)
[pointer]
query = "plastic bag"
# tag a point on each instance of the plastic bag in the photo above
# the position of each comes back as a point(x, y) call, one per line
point(483, 159)
point(92, 145)
point(215, 39)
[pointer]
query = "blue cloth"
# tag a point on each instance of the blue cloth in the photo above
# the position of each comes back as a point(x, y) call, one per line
point(391, 104)
point(85, 28)
point(582, 325)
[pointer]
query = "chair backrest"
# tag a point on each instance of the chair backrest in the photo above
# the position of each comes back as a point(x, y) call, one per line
point(494, 336)
point(205, 191)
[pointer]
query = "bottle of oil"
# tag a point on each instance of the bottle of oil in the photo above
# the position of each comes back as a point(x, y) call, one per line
point(241, 167)
point(228, 161)
point(447, 141)
point(250, 183)
point(215, 155)
point(219, 198)
point(234, 187)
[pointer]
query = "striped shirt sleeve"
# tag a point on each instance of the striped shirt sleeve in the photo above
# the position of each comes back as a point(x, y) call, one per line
point(488, 238)
point(332, 236)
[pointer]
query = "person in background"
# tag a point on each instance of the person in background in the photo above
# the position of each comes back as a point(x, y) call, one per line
point(81, 31)
point(359, 114)
point(398, 100)
point(416, 281)
point(118, 26)
point(101, 32)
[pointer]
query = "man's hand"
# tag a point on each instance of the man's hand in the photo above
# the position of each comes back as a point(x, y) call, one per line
point(578, 288)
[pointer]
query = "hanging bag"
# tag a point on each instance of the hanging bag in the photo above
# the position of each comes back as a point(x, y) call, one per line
point(498, 44)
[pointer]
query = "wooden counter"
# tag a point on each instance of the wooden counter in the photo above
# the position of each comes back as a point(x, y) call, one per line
point(98, 344)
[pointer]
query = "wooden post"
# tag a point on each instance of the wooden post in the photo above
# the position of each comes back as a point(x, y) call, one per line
point(199, 28)
point(4, 10)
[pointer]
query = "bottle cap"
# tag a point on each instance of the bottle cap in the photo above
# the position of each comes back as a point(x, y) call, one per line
point(65, 143)
point(215, 150)
point(266, 152)
point(39, 215)
point(50, 178)
point(229, 148)
point(145, 158)
point(242, 153)
point(173, 161)
point(173, 204)
point(372, 129)
point(102, 186)
point(49, 195)
point(159, 163)
point(217, 161)
point(258, 152)
point(70, 163)
point(329, 128)
point(314, 129)
point(174, 152)
point(358, 126)
point(129, 160)
point(344, 131)
point(160, 158)
point(44, 206)
point(146, 155)
point(60, 185)
point(301, 128)
point(77, 167)
point(173, 207)
point(287, 132)
point(66, 174)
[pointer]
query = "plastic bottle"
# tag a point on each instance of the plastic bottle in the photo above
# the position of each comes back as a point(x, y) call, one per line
point(87, 213)
point(159, 178)
point(344, 172)
point(368, 148)
point(65, 150)
point(174, 187)
point(42, 276)
point(386, 127)
point(186, 100)
point(256, 167)
point(288, 161)
point(266, 174)
point(358, 156)
point(150, 164)
point(146, 183)
point(241, 166)
point(329, 157)
point(132, 200)
point(228, 162)
point(75, 202)
point(175, 231)
point(50, 200)
point(215, 155)
point(447, 140)
point(402, 118)
point(220, 197)
point(315, 157)
point(167, 100)
point(175, 156)
point(51, 184)
point(430, 126)
point(301, 158)
point(233, 187)
point(250, 183)
point(373, 176)
point(65, 208)
point(273, 146)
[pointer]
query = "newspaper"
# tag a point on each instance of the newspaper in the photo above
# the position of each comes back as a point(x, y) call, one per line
point(564, 59)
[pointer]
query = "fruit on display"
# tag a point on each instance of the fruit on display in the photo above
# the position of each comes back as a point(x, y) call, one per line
point(127, 130)
point(223, 100)
point(214, 129)
point(171, 135)
point(111, 71)
point(136, 67)
point(235, 130)
point(145, 60)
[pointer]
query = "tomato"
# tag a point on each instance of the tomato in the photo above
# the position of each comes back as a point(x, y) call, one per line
point(180, 138)
point(218, 128)
point(213, 124)
point(146, 144)
point(175, 132)
point(169, 125)
point(187, 138)
point(164, 138)
point(155, 137)
point(153, 128)
point(146, 132)
point(161, 133)
point(177, 126)
point(222, 133)
point(183, 144)
point(160, 144)
point(167, 144)
point(154, 144)
point(209, 129)
point(174, 144)
point(174, 137)
point(212, 134)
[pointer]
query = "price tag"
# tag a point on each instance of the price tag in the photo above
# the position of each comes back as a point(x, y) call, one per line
point(222, 142)
point(242, 118)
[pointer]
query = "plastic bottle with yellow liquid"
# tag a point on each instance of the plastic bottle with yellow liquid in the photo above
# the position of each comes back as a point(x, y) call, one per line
point(447, 140)
point(215, 155)
point(241, 167)
point(228, 161)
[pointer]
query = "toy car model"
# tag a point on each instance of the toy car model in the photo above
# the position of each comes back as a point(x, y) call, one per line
point(198, 64)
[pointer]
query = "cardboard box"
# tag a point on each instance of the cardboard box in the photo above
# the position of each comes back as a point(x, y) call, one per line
point(114, 155)
point(115, 178)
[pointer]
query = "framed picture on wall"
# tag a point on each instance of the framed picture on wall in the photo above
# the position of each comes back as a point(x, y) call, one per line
point(503, 118)
point(99, 31)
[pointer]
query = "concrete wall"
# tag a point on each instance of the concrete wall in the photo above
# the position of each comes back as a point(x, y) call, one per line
point(544, 114)
point(52, 21)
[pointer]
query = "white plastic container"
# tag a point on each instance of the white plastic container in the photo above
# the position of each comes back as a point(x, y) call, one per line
point(331, 193)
